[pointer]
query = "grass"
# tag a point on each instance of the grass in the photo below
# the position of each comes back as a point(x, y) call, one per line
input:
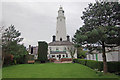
point(52, 70)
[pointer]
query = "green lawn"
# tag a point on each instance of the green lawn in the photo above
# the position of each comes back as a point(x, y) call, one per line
point(52, 70)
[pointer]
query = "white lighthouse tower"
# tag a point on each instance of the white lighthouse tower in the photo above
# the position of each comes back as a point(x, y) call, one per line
point(61, 26)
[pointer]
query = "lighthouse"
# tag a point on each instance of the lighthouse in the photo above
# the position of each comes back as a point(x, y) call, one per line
point(61, 26)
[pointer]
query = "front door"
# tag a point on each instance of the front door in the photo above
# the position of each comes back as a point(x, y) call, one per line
point(59, 56)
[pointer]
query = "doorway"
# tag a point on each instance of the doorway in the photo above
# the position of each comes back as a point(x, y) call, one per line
point(59, 56)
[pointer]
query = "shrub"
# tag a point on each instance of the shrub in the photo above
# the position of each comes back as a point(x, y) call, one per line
point(82, 61)
point(29, 58)
point(112, 66)
point(20, 60)
point(95, 64)
point(42, 51)
point(8, 59)
point(75, 60)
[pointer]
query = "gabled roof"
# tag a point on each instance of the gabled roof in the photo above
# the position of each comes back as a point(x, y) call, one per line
point(60, 43)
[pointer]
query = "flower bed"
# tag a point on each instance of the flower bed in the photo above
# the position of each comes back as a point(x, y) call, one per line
point(65, 59)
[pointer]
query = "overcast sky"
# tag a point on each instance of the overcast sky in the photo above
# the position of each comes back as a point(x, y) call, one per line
point(36, 20)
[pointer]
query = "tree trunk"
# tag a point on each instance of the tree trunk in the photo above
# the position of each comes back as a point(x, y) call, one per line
point(104, 58)
point(3, 58)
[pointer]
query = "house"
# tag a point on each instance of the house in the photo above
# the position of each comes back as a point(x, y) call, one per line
point(33, 50)
point(112, 54)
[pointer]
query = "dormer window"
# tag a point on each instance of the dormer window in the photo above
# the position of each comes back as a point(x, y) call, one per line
point(57, 49)
point(64, 48)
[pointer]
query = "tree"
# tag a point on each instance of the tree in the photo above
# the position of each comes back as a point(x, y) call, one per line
point(10, 36)
point(101, 14)
point(81, 53)
point(19, 55)
point(42, 51)
point(10, 43)
point(100, 20)
point(1, 30)
point(72, 50)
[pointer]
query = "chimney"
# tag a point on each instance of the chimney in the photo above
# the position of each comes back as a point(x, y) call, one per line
point(54, 38)
point(29, 49)
point(68, 38)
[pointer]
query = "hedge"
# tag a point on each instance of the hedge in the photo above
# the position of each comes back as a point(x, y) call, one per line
point(112, 66)
point(95, 64)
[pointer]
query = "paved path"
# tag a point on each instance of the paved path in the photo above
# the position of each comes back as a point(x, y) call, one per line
point(63, 62)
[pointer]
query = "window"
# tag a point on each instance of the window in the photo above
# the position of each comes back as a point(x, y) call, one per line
point(66, 55)
point(57, 55)
point(64, 48)
point(31, 50)
point(63, 55)
point(57, 49)
point(50, 48)
point(53, 55)
point(60, 19)
point(60, 39)
point(93, 56)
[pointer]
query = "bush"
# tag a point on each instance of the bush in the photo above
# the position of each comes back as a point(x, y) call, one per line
point(95, 64)
point(82, 61)
point(8, 59)
point(20, 60)
point(75, 60)
point(112, 66)
point(29, 58)
point(90, 63)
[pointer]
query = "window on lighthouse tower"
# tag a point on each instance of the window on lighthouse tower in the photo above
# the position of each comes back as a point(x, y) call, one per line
point(60, 39)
